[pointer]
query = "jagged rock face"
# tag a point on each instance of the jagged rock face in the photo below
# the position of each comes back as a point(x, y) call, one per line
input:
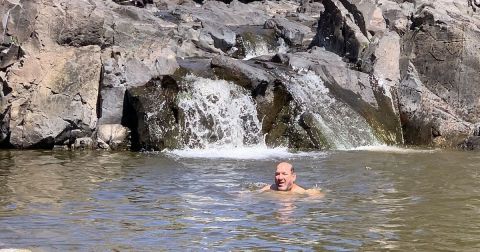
point(54, 97)
point(441, 84)
point(295, 34)
point(66, 66)
point(339, 33)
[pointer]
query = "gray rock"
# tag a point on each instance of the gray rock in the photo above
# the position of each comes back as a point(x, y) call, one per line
point(313, 57)
point(233, 14)
point(440, 87)
point(397, 15)
point(339, 32)
point(64, 98)
point(240, 72)
point(84, 24)
point(136, 3)
point(295, 34)
point(18, 21)
point(153, 115)
point(426, 118)
point(367, 15)
point(471, 143)
point(83, 143)
point(102, 145)
point(10, 55)
point(310, 8)
point(123, 70)
point(4, 125)
point(223, 37)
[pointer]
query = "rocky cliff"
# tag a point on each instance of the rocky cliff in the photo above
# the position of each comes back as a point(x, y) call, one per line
point(322, 74)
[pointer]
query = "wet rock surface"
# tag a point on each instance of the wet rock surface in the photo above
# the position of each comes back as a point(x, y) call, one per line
point(107, 74)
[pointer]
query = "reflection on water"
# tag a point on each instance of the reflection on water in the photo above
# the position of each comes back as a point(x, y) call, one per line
point(102, 201)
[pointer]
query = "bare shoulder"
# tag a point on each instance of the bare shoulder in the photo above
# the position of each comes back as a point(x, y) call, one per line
point(266, 188)
point(298, 189)
point(316, 193)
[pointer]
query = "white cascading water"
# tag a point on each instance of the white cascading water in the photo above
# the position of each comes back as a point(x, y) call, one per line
point(260, 47)
point(218, 113)
point(220, 121)
point(342, 127)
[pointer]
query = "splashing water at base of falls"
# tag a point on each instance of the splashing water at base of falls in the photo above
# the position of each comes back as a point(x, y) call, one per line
point(342, 127)
point(219, 119)
point(218, 114)
point(258, 152)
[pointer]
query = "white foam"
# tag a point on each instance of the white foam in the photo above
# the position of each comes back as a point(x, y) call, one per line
point(218, 113)
point(253, 153)
point(393, 149)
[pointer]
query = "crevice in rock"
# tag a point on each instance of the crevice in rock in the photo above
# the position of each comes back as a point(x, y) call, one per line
point(5, 88)
point(99, 95)
point(357, 15)
point(130, 120)
point(136, 3)
point(336, 35)
point(4, 129)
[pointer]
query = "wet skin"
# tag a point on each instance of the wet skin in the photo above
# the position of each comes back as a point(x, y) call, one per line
point(285, 182)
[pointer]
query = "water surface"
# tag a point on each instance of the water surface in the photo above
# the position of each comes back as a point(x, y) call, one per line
point(376, 200)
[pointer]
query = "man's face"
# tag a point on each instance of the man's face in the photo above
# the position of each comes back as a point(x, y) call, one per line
point(284, 177)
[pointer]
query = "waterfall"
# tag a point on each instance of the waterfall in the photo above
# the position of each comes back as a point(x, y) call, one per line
point(342, 127)
point(219, 118)
point(217, 113)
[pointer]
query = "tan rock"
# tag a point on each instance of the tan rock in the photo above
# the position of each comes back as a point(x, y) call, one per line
point(110, 133)
point(56, 90)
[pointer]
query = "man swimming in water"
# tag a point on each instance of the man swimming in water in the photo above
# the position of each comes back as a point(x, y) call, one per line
point(285, 180)
point(285, 177)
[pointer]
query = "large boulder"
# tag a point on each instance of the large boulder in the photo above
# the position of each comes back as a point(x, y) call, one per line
point(85, 24)
point(295, 34)
point(115, 136)
point(427, 119)
point(241, 72)
point(54, 94)
point(339, 32)
point(123, 69)
point(152, 114)
point(223, 38)
point(441, 59)
point(322, 90)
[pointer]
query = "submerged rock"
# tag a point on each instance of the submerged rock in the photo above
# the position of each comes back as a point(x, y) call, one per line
point(83, 143)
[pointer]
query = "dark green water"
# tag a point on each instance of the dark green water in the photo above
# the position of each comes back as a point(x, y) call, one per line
point(375, 201)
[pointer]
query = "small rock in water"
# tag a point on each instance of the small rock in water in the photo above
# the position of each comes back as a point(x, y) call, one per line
point(102, 145)
point(83, 143)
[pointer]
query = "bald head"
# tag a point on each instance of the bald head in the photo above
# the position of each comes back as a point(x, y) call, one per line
point(286, 165)
point(284, 177)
